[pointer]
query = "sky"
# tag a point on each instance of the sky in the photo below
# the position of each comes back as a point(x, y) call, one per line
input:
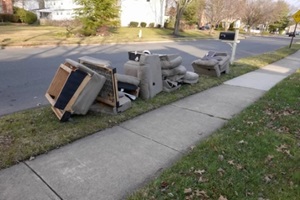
point(294, 3)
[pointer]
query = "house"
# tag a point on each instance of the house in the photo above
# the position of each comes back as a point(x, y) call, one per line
point(58, 10)
point(6, 7)
point(30, 5)
point(149, 11)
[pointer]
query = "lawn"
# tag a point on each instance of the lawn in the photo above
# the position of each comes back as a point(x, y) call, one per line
point(37, 131)
point(26, 35)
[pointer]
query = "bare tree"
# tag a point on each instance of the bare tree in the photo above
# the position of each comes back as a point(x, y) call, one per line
point(233, 10)
point(180, 8)
point(263, 12)
point(257, 12)
point(215, 12)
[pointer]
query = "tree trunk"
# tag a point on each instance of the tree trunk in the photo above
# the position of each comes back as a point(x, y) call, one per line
point(177, 20)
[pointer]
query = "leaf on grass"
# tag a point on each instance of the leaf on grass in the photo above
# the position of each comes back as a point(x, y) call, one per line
point(222, 198)
point(249, 193)
point(268, 178)
point(201, 194)
point(243, 142)
point(164, 185)
point(192, 148)
point(170, 194)
point(231, 162)
point(288, 153)
point(239, 166)
point(221, 171)
point(202, 180)
point(281, 148)
point(188, 191)
point(261, 198)
point(200, 172)
point(221, 157)
point(249, 123)
point(283, 129)
point(269, 158)
point(31, 158)
point(192, 169)
point(189, 197)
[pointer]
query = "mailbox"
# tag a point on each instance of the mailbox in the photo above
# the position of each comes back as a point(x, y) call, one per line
point(227, 36)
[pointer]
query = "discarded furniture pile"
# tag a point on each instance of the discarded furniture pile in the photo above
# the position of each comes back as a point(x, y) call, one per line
point(174, 74)
point(94, 84)
point(212, 64)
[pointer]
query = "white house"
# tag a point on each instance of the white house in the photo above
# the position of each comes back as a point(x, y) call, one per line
point(30, 5)
point(58, 10)
point(149, 11)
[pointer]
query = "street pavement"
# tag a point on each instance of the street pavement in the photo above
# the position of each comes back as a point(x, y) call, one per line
point(113, 163)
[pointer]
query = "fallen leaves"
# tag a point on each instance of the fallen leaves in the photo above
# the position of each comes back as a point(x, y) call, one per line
point(200, 172)
point(242, 142)
point(188, 191)
point(221, 171)
point(268, 178)
point(231, 162)
point(201, 178)
point(283, 148)
point(269, 159)
point(163, 186)
point(222, 198)
point(190, 194)
point(6, 141)
point(220, 157)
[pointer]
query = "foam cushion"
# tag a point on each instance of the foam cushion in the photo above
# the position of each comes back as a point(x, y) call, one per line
point(190, 77)
point(170, 61)
point(180, 70)
point(209, 62)
point(128, 79)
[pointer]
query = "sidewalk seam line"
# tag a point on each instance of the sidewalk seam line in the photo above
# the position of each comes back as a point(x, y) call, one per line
point(223, 118)
point(151, 139)
point(43, 181)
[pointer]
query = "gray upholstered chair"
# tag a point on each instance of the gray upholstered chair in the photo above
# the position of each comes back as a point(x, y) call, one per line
point(212, 64)
point(148, 71)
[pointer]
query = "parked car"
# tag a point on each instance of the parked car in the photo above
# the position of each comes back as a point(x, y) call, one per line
point(204, 27)
point(291, 34)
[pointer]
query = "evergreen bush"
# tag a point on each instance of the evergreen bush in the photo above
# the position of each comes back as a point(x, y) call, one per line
point(151, 25)
point(25, 16)
point(143, 24)
point(133, 24)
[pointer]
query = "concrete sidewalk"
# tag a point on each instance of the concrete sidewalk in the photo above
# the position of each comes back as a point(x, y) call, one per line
point(113, 163)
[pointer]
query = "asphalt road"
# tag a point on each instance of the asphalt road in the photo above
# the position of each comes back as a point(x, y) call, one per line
point(26, 73)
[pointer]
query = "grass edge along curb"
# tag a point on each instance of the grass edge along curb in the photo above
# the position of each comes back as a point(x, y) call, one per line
point(255, 155)
point(33, 132)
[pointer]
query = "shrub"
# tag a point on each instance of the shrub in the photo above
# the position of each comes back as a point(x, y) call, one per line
point(9, 18)
point(158, 26)
point(151, 25)
point(25, 16)
point(143, 24)
point(133, 24)
point(169, 24)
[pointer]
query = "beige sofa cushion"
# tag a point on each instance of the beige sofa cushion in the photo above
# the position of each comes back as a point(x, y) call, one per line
point(170, 61)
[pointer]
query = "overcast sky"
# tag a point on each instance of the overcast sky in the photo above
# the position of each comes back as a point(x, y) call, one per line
point(294, 3)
